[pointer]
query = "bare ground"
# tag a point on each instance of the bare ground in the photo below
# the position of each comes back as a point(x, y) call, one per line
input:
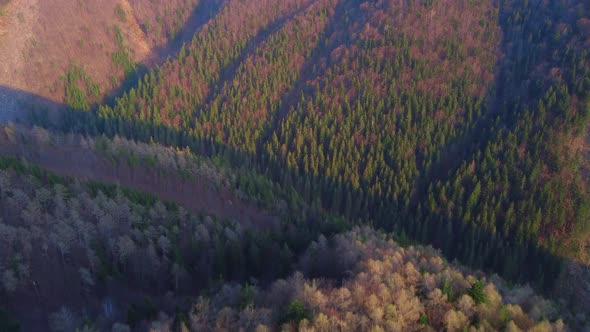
point(40, 39)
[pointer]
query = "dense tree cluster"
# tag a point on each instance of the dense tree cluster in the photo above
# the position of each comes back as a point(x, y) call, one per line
point(386, 288)
point(80, 89)
point(173, 92)
point(130, 159)
point(71, 245)
point(66, 242)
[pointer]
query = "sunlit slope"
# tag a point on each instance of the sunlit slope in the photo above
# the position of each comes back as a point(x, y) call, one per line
point(39, 40)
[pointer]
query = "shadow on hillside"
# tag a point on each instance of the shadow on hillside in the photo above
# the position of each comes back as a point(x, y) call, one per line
point(291, 98)
point(523, 48)
point(204, 12)
point(230, 72)
point(471, 245)
point(18, 105)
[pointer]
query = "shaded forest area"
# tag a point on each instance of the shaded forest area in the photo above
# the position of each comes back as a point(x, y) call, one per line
point(101, 256)
point(199, 184)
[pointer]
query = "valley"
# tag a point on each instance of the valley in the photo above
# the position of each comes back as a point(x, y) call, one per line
point(298, 165)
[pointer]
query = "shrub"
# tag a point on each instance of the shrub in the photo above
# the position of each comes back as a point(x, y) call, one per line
point(448, 290)
point(120, 13)
point(423, 319)
point(297, 312)
point(476, 292)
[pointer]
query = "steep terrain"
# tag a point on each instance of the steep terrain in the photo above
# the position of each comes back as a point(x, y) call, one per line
point(461, 119)
point(125, 187)
point(459, 124)
point(39, 40)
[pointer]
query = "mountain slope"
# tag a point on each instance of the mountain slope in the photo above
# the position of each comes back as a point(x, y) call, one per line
point(457, 122)
point(39, 40)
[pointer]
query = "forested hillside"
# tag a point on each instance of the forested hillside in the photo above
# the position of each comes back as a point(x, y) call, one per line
point(458, 127)
point(389, 288)
point(94, 255)
point(201, 185)
point(462, 125)
point(62, 234)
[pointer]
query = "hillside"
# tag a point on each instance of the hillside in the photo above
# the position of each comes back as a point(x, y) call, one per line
point(461, 125)
point(463, 120)
point(85, 253)
point(40, 40)
point(171, 175)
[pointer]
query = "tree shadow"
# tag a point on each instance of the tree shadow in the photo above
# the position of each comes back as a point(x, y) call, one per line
point(307, 72)
point(205, 11)
point(230, 72)
point(474, 246)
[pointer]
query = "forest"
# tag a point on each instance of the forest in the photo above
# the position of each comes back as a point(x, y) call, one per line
point(419, 134)
point(313, 165)
point(100, 246)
